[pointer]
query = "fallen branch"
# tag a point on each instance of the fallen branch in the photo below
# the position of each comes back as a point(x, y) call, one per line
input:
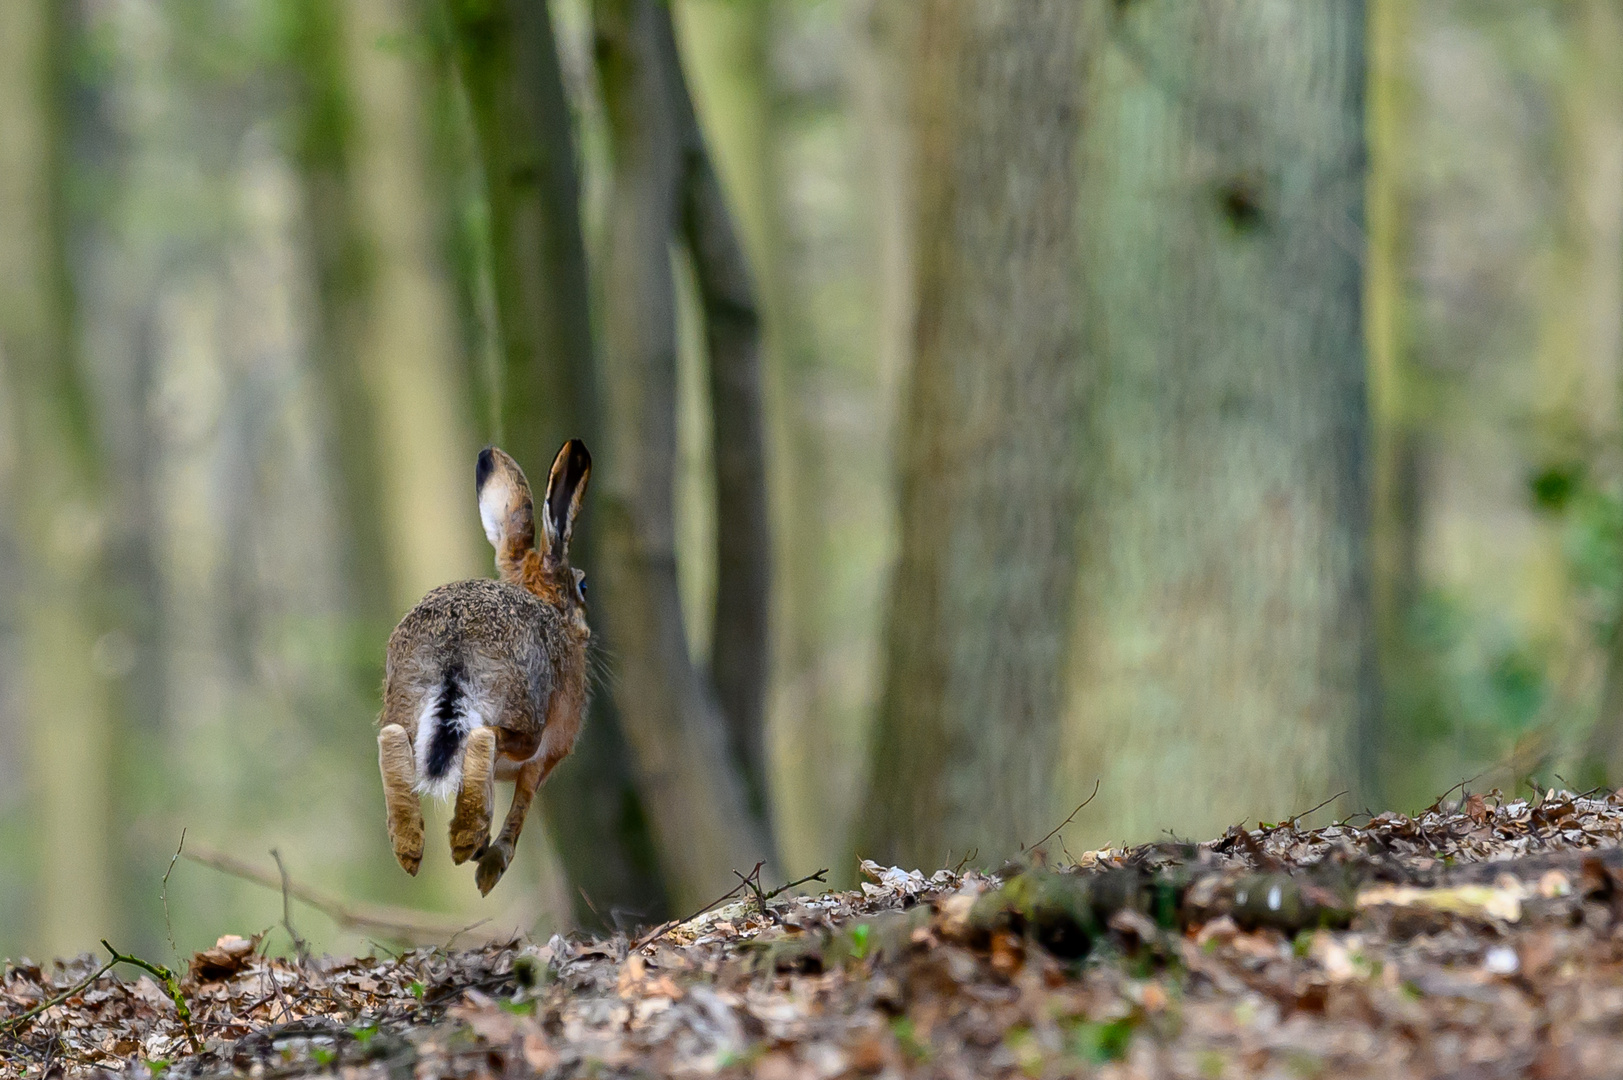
point(750, 880)
point(383, 920)
point(171, 986)
point(664, 928)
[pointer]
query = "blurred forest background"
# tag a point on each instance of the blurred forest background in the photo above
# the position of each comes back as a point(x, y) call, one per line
point(1222, 403)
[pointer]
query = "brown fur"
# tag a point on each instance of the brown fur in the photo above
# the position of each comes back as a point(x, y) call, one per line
point(515, 649)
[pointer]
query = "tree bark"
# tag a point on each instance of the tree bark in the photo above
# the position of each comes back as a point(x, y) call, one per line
point(689, 773)
point(1396, 451)
point(56, 493)
point(508, 62)
point(740, 657)
point(968, 726)
point(1587, 322)
point(343, 274)
point(1224, 664)
point(406, 349)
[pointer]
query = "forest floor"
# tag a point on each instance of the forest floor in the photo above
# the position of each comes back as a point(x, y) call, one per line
point(1479, 939)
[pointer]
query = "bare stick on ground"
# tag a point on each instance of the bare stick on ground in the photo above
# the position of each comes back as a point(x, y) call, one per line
point(392, 923)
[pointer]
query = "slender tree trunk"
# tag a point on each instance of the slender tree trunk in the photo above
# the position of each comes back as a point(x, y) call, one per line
point(343, 276)
point(740, 657)
point(56, 493)
point(1396, 476)
point(406, 345)
point(689, 774)
point(509, 65)
point(1588, 304)
point(1225, 652)
point(980, 605)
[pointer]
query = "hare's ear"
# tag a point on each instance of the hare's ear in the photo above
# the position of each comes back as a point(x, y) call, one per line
point(566, 487)
point(505, 508)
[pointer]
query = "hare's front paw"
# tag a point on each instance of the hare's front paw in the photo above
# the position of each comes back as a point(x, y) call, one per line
point(492, 865)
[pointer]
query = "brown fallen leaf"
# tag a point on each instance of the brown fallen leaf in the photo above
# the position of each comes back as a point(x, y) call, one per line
point(229, 955)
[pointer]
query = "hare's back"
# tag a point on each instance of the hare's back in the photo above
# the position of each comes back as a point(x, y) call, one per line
point(495, 634)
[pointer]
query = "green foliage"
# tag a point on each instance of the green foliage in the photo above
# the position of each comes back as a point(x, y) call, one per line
point(1099, 1042)
point(908, 1040)
point(860, 934)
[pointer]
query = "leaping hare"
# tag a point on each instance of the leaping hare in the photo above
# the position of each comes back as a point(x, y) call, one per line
point(486, 680)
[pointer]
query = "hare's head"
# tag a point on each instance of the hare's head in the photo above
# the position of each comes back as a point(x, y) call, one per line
point(507, 511)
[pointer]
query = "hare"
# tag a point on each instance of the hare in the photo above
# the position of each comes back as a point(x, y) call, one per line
point(486, 680)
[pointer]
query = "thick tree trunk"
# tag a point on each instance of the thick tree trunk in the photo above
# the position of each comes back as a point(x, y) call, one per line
point(413, 376)
point(1224, 666)
point(689, 777)
point(56, 495)
point(980, 608)
point(547, 392)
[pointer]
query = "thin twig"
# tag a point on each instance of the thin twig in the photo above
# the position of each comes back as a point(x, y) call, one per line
point(171, 986)
point(465, 930)
point(1066, 822)
point(1294, 818)
point(164, 894)
point(781, 889)
point(753, 882)
point(592, 907)
point(17, 1022)
point(1438, 802)
point(300, 946)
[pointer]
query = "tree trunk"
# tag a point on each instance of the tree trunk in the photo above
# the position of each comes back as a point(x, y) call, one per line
point(980, 606)
point(406, 345)
point(56, 494)
point(1396, 450)
point(413, 375)
point(1224, 664)
point(343, 275)
point(547, 391)
point(689, 774)
point(740, 659)
point(1588, 298)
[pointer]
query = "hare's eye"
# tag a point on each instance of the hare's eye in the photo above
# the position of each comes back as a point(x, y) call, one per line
point(580, 586)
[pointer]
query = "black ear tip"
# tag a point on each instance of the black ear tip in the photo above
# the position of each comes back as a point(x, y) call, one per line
point(485, 466)
point(579, 455)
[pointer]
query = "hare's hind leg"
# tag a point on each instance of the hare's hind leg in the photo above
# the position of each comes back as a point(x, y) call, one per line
point(470, 827)
point(493, 862)
point(400, 796)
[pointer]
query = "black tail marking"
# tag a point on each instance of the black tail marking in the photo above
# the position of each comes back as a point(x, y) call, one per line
point(448, 734)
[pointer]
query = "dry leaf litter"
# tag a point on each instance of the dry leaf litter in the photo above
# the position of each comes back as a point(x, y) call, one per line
point(1480, 939)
